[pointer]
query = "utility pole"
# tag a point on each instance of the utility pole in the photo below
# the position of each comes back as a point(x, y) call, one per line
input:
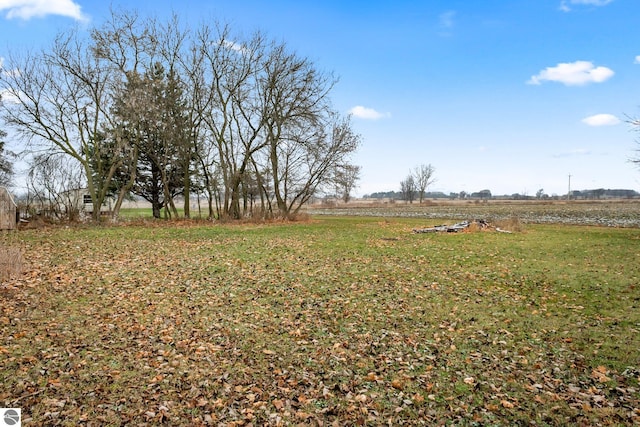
point(569, 191)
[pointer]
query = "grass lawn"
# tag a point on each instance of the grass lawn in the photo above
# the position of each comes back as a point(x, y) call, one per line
point(335, 321)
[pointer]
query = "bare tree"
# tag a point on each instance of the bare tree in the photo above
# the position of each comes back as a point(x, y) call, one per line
point(635, 123)
point(423, 177)
point(55, 183)
point(248, 120)
point(132, 47)
point(229, 107)
point(179, 58)
point(60, 101)
point(6, 167)
point(346, 177)
point(408, 188)
point(306, 138)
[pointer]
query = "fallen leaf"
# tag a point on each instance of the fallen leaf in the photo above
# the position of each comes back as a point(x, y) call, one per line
point(507, 404)
point(397, 384)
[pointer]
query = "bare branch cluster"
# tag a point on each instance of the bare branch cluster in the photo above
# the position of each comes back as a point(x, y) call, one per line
point(417, 182)
point(160, 109)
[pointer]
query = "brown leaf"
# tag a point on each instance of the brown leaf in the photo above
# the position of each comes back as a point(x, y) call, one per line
point(279, 404)
point(600, 374)
point(507, 404)
point(371, 377)
point(397, 384)
point(302, 415)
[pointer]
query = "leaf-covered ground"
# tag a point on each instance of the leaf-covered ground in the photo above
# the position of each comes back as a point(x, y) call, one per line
point(339, 321)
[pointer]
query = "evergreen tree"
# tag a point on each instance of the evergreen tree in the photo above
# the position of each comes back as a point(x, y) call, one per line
point(153, 119)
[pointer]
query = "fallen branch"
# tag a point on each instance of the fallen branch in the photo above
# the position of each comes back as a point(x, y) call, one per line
point(35, 393)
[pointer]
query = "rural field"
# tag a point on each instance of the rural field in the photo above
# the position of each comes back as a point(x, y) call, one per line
point(334, 320)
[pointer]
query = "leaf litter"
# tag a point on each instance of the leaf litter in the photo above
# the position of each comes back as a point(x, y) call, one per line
point(253, 326)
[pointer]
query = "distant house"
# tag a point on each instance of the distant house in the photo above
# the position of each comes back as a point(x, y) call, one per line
point(8, 209)
point(79, 202)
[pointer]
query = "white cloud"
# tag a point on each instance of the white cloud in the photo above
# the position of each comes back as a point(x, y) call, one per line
point(573, 74)
point(564, 5)
point(8, 73)
point(27, 9)
point(8, 97)
point(601, 120)
point(592, 2)
point(234, 46)
point(367, 113)
point(446, 22)
point(637, 60)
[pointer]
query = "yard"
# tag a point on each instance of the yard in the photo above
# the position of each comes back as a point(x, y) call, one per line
point(332, 321)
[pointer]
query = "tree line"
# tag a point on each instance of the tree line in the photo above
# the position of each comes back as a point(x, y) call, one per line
point(158, 109)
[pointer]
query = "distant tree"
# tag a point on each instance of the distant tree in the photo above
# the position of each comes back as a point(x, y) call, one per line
point(483, 194)
point(540, 194)
point(599, 193)
point(423, 178)
point(346, 177)
point(408, 188)
point(383, 195)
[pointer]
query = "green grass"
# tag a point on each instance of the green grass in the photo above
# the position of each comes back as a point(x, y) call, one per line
point(345, 320)
point(136, 213)
point(147, 213)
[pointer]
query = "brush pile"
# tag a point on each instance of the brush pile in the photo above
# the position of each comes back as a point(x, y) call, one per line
point(475, 225)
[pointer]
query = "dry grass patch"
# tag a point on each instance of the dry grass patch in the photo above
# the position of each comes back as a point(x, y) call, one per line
point(511, 224)
point(11, 263)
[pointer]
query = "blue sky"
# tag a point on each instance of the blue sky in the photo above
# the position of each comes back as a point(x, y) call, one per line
point(508, 95)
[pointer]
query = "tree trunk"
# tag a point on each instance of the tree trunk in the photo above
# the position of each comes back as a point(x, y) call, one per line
point(186, 193)
point(128, 186)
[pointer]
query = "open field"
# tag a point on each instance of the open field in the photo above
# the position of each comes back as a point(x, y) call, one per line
point(334, 321)
point(611, 213)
